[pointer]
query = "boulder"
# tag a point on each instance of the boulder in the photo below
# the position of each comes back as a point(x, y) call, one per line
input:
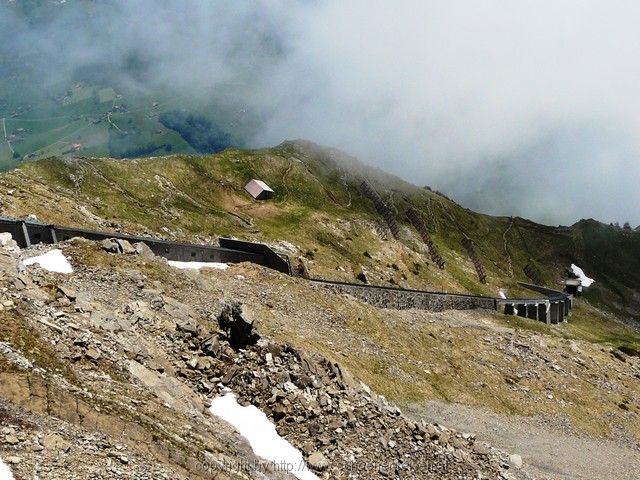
point(318, 461)
point(110, 245)
point(93, 354)
point(178, 310)
point(361, 274)
point(68, 291)
point(481, 449)
point(188, 326)
point(125, 246)
point(239, 330)
point(7, 241)
point(55, 442)
point(515, 461)
point(118, 245)
point(11, 440)
point(211, 346)
point(8, 265)
point(301, 268)
point(143, 250)
point(108, 321)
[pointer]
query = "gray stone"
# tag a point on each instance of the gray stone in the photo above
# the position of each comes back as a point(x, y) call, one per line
point(238, 328)
point(318, 461)
point(193, 363)
point(515, 460)
point(55, 442)
point(187, 326)
point(125, 246)
point(444, 438)
point(68, 291)
point(230, 375)
point(143, 250)
point(110, 245)
point(211, 346)
point(361, 274)
point(106, 321)
point(11, 439)
point(19, 283)
point(481, 449)
point(84, 302)
point(93, 354)
point(7, 241)
point(204, 363)
point(9, 265)
point(269, 359)
point(177, 309)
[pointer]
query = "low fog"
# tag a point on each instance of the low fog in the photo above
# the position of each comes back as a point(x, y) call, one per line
point(511, 107)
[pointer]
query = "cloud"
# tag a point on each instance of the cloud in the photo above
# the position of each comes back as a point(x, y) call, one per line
point(514, 107)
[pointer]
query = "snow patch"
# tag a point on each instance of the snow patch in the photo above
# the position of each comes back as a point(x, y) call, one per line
point(502, 295)
point(53, 260)
point(5, 471)
point(198, 265)
point(261, 434)
point(578, 272)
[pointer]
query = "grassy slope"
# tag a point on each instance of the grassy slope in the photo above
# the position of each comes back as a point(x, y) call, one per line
point(318, 208)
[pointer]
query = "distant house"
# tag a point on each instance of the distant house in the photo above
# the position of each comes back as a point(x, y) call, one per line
point(258, 190)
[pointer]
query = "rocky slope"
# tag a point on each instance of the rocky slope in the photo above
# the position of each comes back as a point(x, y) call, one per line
point(105, 373)
point(108, 372)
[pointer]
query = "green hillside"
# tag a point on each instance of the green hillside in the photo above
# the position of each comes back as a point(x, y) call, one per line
point(319, 209)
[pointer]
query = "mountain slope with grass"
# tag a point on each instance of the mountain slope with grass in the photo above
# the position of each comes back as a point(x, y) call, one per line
point(319, 208)
point(139, 348)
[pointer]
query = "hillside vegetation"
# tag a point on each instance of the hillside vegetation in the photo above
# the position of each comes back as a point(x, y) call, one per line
point(569, 386)
point(320, 217)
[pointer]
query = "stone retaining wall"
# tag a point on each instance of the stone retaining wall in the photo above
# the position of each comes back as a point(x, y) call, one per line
point(27, 233)
point(400, 299)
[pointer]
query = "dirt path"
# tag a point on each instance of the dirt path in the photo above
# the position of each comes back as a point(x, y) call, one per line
point(548, 453)
point(113, 124)
point(6, 138)
point(506, 247)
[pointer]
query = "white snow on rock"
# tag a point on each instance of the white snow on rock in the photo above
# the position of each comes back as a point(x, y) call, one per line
point(198, 265)
point(577, 271)
point(261, 434)
point(501, 293)
point(5, 471)
point(53, 260)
